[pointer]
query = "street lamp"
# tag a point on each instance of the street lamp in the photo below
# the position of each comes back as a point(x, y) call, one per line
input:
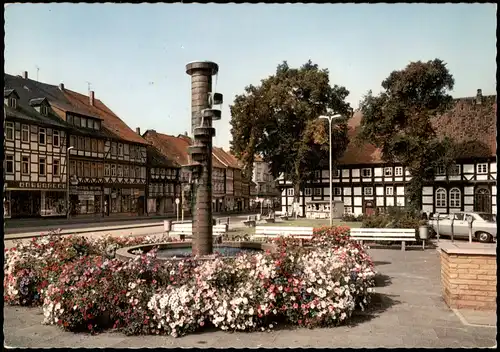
point(330, 117)
point(67, 180)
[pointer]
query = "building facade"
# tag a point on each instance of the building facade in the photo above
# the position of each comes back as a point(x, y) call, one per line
point(364, 183)
point(267, 192)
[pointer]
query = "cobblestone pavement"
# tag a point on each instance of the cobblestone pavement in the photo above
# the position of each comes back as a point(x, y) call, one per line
point(407, 311)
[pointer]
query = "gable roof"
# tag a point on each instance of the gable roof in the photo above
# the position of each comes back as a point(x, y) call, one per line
point(38, 101)
point(158, 159)
point(225, 158)
point(65, 100)
point(471, 125)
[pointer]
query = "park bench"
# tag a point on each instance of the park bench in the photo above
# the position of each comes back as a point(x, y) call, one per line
point(286, 231)
point(223, 221)
point(369, 234)
point(184, 230)
point(250, 221)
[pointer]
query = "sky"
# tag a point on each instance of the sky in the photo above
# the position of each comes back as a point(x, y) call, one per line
point(134, 55)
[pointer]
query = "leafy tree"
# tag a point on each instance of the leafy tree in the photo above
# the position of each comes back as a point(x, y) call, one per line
point(279, 121)
point(399, 121)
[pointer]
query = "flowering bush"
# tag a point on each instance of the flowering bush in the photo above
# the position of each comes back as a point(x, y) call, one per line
point(82, 288)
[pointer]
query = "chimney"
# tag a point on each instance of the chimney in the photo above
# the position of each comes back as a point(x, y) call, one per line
point(91, 97)
point(61, 86)
point(138, 131)
point(25, 74)
point(479, 96)
point(186, 134)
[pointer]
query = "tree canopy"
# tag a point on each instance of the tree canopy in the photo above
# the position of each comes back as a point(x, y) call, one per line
point(399, 120)
point(279, 120)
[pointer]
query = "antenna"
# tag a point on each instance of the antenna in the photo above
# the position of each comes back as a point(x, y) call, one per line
point(37, 70)
point(88, 86)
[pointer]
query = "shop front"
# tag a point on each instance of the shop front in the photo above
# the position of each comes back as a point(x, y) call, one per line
point(34, 199)
point(86, 200)
point(124, 200)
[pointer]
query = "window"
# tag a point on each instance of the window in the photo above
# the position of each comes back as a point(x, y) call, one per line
point(132, 172)
point(55, 167)
point(25, 133)
point(336, 173)
point(106, 170)
point(72, 141)
point(317, 191)
point(113, 148)
point(41, 166)
point(80, 169)
point(455, 198)
point(289, 191)
point(94, 145)
point(337, 191)
point(120, 149)
point(9, 131)
point(307, 192)
point(455, 170)
point(100, 146)
point(77, 121)
point(368, 191)
point(81, 143)
point(137, 172)
point(86, 169)
point(389, 191)
point(44, 110)
point(388, 171)
point(87, 144)
point(317, 174)
point(99, 170)
point(10, 164)
point(482, 168)
point(125, 171)
point(113, 170)
point(84, 122)
point(94, 170)
point(440, 170)
point(441, 198)
point(366, 172)
point(132, 152)
point(120, 171)
point(72, 168)
point(55, 139)
point(25, 167)
point(97, 125)
point(125, 149)
point(398, 171)
point(13, 102)
point(69, 119)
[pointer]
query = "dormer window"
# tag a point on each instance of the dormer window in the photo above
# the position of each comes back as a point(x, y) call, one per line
point(13, 102)
point(44, 110)
point(10, 96)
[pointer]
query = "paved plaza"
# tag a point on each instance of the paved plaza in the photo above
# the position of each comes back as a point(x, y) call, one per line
point(407, 311)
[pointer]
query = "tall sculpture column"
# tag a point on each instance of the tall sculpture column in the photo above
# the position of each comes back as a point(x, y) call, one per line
point(201, 73)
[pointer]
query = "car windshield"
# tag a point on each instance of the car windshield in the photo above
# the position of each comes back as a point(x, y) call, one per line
point(488, 217)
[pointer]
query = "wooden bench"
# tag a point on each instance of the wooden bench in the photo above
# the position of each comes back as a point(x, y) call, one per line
point(286, 231)
point(184, 230)
point(368, 234)
point(223, 221)
point(250, 221)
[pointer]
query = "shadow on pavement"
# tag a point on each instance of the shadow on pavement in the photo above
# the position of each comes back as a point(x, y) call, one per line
point(378, 263)
point(380, 303)
point(382, 280)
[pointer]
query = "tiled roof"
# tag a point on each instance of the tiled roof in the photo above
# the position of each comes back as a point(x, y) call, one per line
point(226, 158)
point(472, 125)
point(65, 100)
point(174, 148)
point(157, 159)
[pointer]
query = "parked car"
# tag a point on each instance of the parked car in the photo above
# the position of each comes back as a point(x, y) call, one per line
point(484, 225)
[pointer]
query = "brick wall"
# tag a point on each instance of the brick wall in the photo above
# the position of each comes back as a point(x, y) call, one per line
point(469, 281)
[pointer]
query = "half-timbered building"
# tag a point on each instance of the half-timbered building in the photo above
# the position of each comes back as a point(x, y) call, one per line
point(364, 183)
point(107, 160)
point(35, 153)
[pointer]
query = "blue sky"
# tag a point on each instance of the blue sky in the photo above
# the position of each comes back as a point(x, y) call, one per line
point(135, 55)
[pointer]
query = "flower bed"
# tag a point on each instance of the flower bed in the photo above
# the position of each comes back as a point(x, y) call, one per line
point(82, 289)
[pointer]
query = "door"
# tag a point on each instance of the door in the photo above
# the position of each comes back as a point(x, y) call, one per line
point(369, 208)
point(460, 225)
point(482, 200)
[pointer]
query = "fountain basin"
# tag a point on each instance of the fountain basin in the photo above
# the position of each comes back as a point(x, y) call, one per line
point(168, 251)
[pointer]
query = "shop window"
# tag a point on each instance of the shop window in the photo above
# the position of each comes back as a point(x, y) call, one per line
point(41, 136)
point(72, 168)
point(41, 166)
point(54, 204)
point(6, 205)
point(80, 169)
point(25, 167)
point(86, 169)
point(10, 164)
point(113, 170)
point(25, 133)
point(94, 145)
point(55, 138)
point(9, 131)
point(56, 167)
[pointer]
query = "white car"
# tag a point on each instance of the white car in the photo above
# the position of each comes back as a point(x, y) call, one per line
point(484, 225)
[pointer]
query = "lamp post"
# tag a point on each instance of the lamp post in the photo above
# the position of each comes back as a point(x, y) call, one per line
point(67, 181)
point(330, 117)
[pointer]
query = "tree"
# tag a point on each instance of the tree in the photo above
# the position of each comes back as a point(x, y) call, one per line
point(279, 121)
point(399, 121)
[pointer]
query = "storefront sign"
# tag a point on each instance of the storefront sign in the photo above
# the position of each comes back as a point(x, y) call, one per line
point(39, 185)
point(85, 197)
